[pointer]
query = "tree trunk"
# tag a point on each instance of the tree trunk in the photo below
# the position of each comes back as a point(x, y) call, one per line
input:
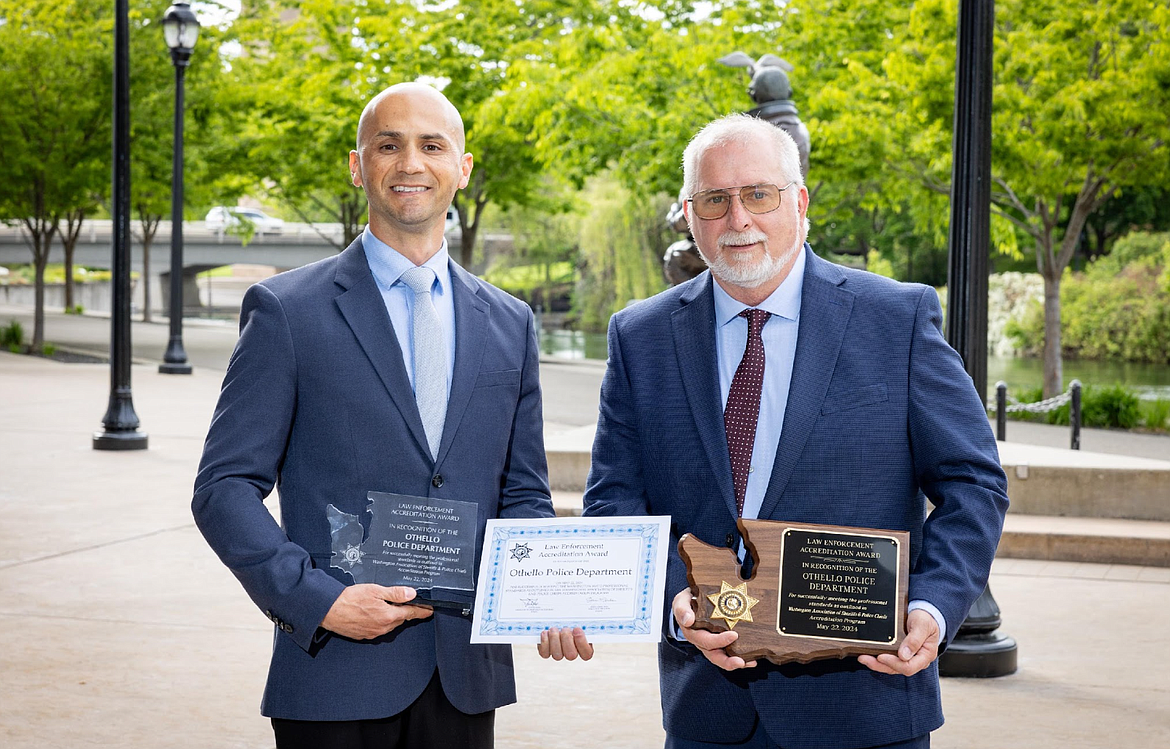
point(149, 224)
point(1053, 360)
point(40, 261)
point(69, 239)
point(41, 232)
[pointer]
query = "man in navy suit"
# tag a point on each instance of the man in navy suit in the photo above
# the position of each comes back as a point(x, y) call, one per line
point(780, 386)
point(319, 401)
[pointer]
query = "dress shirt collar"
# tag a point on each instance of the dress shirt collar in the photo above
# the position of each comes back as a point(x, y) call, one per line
point(784, 301)
point(388, 264)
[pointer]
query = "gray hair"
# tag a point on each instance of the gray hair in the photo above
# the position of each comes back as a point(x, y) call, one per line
point(740, 128)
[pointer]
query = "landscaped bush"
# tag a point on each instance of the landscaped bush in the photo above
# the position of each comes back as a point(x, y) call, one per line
point(1119, 308)
point(1114, 406)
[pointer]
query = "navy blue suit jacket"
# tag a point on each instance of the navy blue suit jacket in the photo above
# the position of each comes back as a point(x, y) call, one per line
point(317, 403)
point(881, 416)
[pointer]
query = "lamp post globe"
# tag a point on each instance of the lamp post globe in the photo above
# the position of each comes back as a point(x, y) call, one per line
point(180, 31)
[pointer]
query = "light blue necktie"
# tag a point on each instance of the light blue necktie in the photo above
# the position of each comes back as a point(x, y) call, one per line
point(429, 353)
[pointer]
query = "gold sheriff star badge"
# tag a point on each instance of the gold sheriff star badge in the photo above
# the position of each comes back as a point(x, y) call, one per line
point(732, 604)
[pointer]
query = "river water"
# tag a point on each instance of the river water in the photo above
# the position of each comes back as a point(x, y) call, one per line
point(1148, 380)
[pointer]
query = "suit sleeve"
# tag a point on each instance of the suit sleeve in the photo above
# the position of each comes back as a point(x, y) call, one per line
point(524, 492)
point(616, 484)
point(957, 466)
point(241, 462)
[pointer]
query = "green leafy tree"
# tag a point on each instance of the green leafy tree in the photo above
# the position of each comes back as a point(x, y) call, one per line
point(55, 78)
point(1079, 115)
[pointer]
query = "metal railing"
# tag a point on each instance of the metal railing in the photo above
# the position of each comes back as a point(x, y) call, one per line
point(1002, 408)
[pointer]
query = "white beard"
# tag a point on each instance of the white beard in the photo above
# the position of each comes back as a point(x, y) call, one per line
point(749, 275)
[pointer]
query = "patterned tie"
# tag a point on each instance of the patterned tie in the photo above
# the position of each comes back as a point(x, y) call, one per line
point(429, 353)
point(743, 404)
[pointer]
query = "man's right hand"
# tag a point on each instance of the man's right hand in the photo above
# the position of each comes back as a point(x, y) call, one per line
point(363, 612)
point(710, 644)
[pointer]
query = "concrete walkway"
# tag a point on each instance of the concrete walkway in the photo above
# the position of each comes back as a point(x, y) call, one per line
point(123, 630)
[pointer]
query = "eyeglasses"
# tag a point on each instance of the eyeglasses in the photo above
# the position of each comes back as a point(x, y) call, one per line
point(712, 204)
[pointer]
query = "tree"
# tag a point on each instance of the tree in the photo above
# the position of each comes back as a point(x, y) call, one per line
point(55, 78)
point(1079, 115)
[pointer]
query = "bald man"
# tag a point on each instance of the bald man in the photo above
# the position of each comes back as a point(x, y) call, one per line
point(320, 401)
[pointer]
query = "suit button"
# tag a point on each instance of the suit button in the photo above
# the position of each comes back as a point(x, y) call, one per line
point(287, 628)
point(729, 542)
point(437, 481)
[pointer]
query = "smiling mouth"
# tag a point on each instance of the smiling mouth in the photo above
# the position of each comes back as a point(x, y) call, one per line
point(406, 189)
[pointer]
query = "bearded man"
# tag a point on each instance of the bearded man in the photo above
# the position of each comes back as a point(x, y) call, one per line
point(780, 386)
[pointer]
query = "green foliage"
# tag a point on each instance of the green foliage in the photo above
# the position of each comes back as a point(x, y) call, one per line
point(1156, 414)
point(12, 336)
point(622, 242)
point(522, 280)
point(1119, 308)
point(48, 349)
point(1112, 406)
point(875, 263)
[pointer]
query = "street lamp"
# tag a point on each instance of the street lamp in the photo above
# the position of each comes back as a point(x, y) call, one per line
point(180, 30)
point(120, 424)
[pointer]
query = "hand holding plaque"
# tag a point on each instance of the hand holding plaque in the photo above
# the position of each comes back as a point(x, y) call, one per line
point(817, 591)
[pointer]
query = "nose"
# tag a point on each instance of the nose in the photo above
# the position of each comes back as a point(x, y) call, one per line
point(738, 217)
point(410, 161)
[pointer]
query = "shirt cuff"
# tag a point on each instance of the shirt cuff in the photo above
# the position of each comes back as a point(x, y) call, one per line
point(938, 617)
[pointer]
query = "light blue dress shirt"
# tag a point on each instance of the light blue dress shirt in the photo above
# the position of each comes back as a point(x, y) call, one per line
point(388, 265)
point(779, 334)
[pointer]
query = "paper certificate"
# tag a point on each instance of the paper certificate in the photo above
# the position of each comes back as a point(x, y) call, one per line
point(605, 575)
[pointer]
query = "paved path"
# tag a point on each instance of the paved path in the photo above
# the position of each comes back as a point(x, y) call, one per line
point(123, 630)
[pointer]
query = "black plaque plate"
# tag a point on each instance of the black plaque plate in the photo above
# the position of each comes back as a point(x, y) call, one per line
point(842, 586)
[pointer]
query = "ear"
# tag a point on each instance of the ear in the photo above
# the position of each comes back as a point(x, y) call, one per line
point(465, 166)
point(355, 169)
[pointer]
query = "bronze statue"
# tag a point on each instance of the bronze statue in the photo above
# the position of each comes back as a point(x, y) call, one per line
point(771, 90)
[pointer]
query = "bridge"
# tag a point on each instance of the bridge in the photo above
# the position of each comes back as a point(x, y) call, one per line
point(203, 249)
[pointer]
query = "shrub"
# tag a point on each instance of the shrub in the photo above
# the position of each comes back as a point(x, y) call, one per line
point(1114, 406)
point(12, 336)
point(48, 349)
point(1156, 412)
point(1119, 308)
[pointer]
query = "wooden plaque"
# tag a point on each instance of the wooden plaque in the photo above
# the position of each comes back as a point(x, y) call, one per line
point(816, 591)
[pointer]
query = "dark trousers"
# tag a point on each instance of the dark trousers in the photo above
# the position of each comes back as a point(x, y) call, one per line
point(761, 740)
point(430, 722)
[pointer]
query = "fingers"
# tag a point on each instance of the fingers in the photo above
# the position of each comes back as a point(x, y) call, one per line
point(918, 650)
point(567, 644)
point(361, 613)
point(920, 629)
point(712, 645)
point(398, 593)
point(683, 608)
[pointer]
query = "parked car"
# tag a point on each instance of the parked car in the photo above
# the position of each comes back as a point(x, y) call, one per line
point(222, 218)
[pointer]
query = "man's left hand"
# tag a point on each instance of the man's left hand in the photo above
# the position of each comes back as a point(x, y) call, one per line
point(918, 650)
point(566, 643)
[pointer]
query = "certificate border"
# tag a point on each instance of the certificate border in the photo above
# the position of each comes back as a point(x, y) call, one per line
point(643, 626)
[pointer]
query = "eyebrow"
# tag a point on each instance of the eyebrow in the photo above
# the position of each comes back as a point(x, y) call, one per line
point(423, 136)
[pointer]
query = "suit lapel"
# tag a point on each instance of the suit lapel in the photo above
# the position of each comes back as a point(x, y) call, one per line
point(693, 327)
point(363, 308)
point(824, 314)
point(471, 325)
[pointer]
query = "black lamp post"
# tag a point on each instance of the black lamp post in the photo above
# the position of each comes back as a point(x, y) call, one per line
point(977, 648)
point(120, 424)
point(181, 30)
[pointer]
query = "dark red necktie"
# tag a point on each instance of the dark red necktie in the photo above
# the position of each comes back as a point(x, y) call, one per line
point(743, 404)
